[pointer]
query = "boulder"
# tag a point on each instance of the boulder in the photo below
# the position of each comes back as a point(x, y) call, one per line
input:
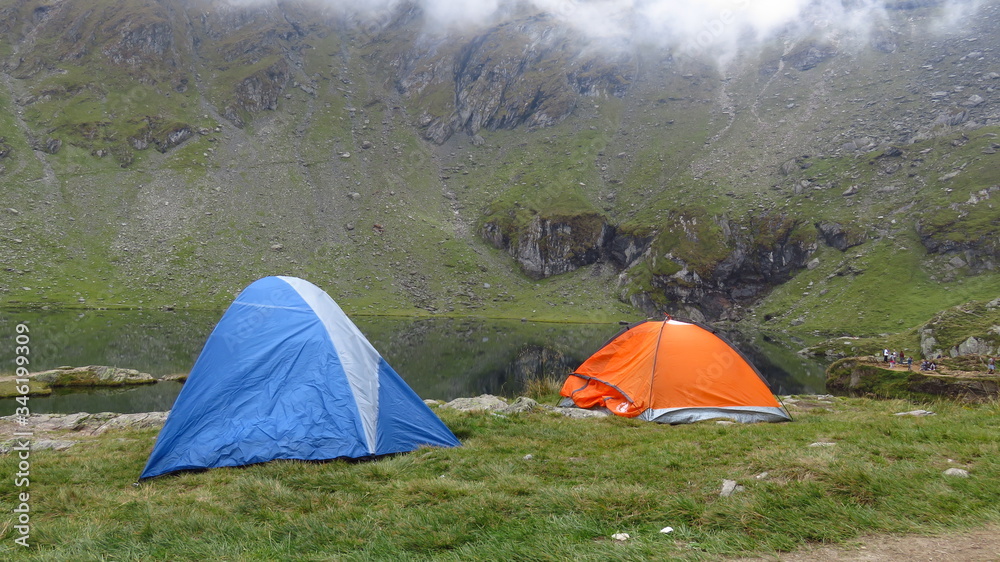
point(730, 487)
point(53, 444)
point(486, 402)
point(973, 346)
point(580, 413)
point(522, 404)
point(141, 420)
point(973, 101)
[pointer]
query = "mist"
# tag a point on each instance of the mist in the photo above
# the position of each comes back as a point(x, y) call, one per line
point(711, 28)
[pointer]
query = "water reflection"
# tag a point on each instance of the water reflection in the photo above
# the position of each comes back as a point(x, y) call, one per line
point(439, 358)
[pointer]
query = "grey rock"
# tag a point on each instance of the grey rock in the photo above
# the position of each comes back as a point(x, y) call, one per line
point(548, 247)
point(92, 375)
point(482, 402)
point(916, 413)
point(973, 101)
point(952, 118)
point(522, 404)
point(92, 424)
point(53, 444)
point(973, 346)
point(141, 420)
point(928, 344)
point(730, 487)
point(580, 413)
point(957, 472)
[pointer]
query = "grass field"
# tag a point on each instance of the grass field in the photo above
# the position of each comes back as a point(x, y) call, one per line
point(845, 467)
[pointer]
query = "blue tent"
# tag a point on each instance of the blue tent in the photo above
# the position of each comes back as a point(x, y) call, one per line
point(286, 375)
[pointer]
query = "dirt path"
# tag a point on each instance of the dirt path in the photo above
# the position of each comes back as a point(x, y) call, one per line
point(981, 545)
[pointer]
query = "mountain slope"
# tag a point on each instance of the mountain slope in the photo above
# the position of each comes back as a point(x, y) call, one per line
point(168, 153)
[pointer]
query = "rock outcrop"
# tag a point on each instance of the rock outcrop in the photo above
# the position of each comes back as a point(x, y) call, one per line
point(702, 272)
point(258, 92)
point(836, 236)
point(967, 230)
point(93, 375)
point(863, 377)
point(529, 73)
point(950, 332)
point(50, 430)
point(716, 271)
point(495, 404)
point(552, 245)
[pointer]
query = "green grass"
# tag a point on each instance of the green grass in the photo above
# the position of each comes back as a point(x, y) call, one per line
point(10, 388)
point(949, 328)
point(585, 480)
point(873, 289)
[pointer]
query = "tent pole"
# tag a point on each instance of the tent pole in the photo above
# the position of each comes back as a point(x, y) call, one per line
point(656, 357)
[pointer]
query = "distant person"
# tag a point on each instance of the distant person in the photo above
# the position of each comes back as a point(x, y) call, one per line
point(909, 363)
point(991, 366)
point(885, 355)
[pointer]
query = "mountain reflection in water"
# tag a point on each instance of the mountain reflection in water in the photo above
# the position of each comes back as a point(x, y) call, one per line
point(442, 358)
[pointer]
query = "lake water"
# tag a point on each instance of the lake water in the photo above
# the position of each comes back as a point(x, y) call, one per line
point(440, 358)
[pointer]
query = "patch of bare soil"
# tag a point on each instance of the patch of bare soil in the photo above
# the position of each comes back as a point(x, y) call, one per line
point(981, 545)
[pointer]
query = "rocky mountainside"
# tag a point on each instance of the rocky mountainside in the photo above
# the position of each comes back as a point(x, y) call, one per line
point(167, 153)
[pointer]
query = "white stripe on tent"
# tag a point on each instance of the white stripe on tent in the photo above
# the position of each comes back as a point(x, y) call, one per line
point(691, 414)
point(358, 357)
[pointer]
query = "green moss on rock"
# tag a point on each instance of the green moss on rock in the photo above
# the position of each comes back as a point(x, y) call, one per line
point(859, 376)
point(93, 375)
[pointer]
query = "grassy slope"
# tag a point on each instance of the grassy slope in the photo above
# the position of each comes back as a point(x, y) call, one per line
point(894, 294)
point(585, 480)
point(192, 227)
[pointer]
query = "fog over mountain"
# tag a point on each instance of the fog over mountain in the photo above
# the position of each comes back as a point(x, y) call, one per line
point(716, 28)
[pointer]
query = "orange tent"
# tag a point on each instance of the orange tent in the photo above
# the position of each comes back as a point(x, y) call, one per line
point(672, 372)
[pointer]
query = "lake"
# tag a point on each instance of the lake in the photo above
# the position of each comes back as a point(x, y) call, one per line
point(442, 358)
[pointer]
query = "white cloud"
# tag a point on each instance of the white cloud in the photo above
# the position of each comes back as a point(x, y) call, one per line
point(712, 27)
